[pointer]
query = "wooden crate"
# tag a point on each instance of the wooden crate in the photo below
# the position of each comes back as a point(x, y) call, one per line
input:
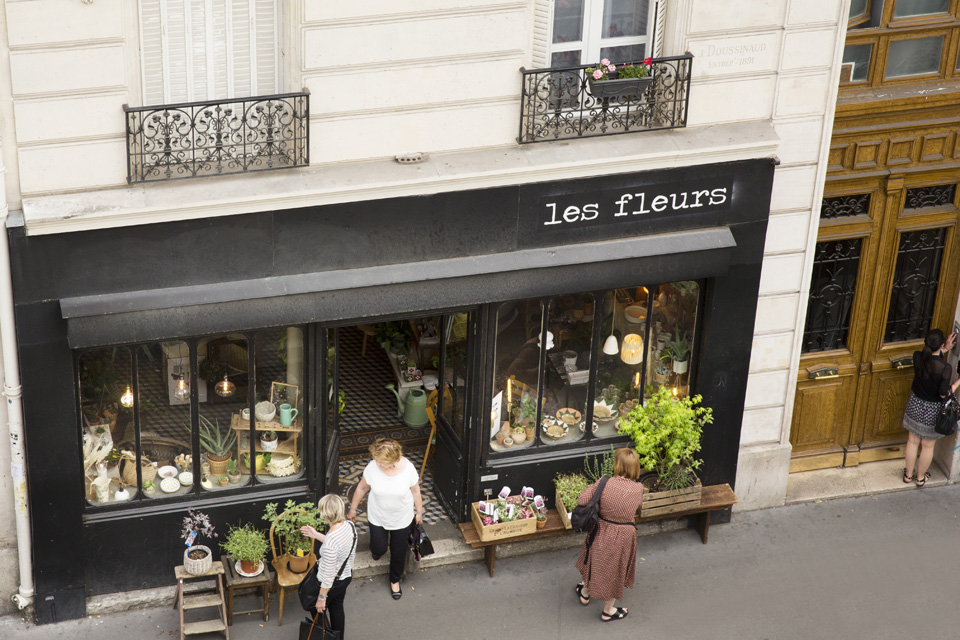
point(658, 503)
point(562, 510)
point(501, 529)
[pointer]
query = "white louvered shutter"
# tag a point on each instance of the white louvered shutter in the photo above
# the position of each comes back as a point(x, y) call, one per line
point(194, 50)
point(542, 32)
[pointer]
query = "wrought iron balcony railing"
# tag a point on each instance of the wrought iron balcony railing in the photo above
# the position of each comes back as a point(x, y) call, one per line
point(559, 104)
point(217, 137)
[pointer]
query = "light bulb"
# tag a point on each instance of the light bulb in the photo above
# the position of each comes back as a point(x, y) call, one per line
point(225, 388)
point(182, 393)
point(127, 398)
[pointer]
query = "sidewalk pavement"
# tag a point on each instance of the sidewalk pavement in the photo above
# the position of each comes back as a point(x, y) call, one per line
point(876, 566)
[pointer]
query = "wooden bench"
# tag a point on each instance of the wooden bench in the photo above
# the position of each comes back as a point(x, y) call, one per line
point(713, 498)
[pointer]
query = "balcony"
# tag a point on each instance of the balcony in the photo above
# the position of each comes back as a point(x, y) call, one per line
point(557, 104)
point(219, 137)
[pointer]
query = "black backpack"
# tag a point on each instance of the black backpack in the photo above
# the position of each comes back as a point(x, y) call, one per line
point(584, 517)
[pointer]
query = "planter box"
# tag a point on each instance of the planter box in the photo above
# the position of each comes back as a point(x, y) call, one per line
point(562, 510)
point(501, 529)
point(625, 88)
point(658, 503)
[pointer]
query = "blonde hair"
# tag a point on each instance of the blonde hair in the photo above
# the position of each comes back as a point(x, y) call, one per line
point(626, 463)
point(331, 508)
point(386, 450)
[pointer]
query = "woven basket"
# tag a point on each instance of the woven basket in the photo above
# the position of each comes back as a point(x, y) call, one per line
point(128, 471)
point(197, 567)
point(218, 467)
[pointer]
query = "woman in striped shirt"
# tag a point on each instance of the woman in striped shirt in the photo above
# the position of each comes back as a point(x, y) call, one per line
point(335, 566)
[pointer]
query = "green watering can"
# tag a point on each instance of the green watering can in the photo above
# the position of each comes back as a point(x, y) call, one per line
point(414, 410)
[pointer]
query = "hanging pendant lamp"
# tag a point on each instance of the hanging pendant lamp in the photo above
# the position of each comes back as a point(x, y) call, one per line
point(225, 388)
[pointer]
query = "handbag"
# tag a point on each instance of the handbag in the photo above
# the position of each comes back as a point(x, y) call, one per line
point(310, 631)
point(947, 416)
point(420, 543)
point(584, 517)
point(309, 588)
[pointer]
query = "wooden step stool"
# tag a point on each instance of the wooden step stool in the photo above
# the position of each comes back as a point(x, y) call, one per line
point(191, 595)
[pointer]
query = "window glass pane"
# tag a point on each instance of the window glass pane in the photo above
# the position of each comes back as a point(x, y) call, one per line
point(908, 8)
point(516, 373)
point(455, 372)
point(620, 367)
point(106, 410)
point(858, 8)
point(222, 379)
point(933, 196)
point(915, 283)
point(629, 53)
point(845, 206)
point(163, 404)
point(567, 369)
point(832, 288)
point(858, 57)
point(913, 57)
point(624, 18)
point(567, 21)
point(671, 345)
point(279, 442)
point(565, 59)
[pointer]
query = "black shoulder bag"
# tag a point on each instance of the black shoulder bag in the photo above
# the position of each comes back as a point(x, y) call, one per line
point(584, 517)
point(947, 416)
point(309, 588)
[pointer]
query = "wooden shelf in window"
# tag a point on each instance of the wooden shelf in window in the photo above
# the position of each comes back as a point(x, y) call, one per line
point(242, 425)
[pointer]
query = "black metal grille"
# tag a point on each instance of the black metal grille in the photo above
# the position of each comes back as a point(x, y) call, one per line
point(217, 137)
point(915, 283)
point(845, 206)
point(832, 288)
point(935, 196)
point(557, 103)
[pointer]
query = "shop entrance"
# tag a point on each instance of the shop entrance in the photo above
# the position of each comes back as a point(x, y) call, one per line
point(388, 379)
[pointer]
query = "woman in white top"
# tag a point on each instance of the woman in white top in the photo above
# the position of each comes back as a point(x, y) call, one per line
point(395, 505)
point(338, 550)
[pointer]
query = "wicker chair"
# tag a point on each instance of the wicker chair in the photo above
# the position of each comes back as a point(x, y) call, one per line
point(284, 580)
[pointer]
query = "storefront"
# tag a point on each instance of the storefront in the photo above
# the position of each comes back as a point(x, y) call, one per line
point(550, 306)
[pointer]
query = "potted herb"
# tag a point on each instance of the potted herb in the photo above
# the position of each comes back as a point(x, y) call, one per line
point(247, 546)
point(569, 487)
point(527, 414)
point(268, 440)
point(223, 480)
point(541, 519)
point(286, 527)
point(218, 445)
point(595, 467)
point(197, 559)
point(662, 370)
point(628, 82)
point(233, 473)
point(149, 489)
point(519, 435)
point(666, 433)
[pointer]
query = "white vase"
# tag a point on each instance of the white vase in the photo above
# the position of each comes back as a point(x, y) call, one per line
point(680, 367)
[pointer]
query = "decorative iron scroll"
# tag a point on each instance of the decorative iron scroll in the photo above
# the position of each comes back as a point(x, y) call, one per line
point(845, 206)
point(218, 137)
point(556, 104)
point(935, 196)
point(915, 282)
point(832, 289)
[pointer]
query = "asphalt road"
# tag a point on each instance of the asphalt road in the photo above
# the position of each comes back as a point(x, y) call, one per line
point(874, 567)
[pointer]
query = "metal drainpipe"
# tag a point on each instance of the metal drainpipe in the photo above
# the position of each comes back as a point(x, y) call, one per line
point(13, 392)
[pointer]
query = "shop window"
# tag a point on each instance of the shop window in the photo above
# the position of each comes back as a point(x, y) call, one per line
point(454, 397)
point(915, 283)
point(586, 31)
point(620, 367)
point(914, 8)
point(516, 400)
point(567, 369)
point(278, 414)
point(918, 56)
point(670, 348)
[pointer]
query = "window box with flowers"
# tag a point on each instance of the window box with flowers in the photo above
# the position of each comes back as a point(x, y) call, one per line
point(628, 82)
point(513, 518)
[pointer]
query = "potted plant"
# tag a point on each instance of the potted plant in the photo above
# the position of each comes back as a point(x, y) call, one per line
point(519, 435)
point(223, 480)
point(197, 559)
point(541, 519)
point(678, 351)
point(149, 489)
point(218, 445)
point(233, 473)
point(662, 371)
point(628, 82)
point(569, 487)
point(286, 526)
point(527, 415)
point(248, 546)
point(269, 441)
point(666, 432)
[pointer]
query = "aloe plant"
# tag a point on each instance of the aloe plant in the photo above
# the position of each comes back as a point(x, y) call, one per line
point(217, 443)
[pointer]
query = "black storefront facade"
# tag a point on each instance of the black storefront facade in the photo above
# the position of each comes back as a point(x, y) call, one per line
point(465, 256)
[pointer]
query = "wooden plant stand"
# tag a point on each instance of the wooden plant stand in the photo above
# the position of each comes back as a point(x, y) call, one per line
point(191, 595)
point(237, 582)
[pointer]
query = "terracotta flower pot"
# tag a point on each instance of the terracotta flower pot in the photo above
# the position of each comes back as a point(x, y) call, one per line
point(251, 567)
point(298, 564)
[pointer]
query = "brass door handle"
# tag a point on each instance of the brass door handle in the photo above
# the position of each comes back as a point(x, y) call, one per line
point(901, 363)
point(823, 373)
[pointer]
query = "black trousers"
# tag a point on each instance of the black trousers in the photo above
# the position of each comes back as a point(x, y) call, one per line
point(335, 596)
point(396, 540)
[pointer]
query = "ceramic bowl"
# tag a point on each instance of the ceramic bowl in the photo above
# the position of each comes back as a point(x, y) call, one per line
point(582, 426)
point(167, 472)
point(265, 411)
point(603, 412)
point(635, 314)
point(554, 429)
point(569, 416)
point(169, 485)
point(185, 478)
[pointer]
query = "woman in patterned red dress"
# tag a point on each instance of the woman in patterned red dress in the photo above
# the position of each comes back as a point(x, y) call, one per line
point(609, 565)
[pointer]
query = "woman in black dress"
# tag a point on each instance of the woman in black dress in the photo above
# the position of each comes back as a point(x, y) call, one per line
point(931, 384)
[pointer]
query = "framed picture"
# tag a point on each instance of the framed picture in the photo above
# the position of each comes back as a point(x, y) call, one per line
point(281, 392)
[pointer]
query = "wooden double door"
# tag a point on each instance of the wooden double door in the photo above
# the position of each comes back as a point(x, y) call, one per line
point(885, 272)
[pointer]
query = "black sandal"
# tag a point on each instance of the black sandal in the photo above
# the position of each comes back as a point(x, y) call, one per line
point(584, 600)
point(907, 479)
point(619, 614)
point(922, 481)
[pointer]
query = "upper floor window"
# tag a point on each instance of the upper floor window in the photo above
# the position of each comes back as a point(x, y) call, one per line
point(193, 50)
point(586, 31)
